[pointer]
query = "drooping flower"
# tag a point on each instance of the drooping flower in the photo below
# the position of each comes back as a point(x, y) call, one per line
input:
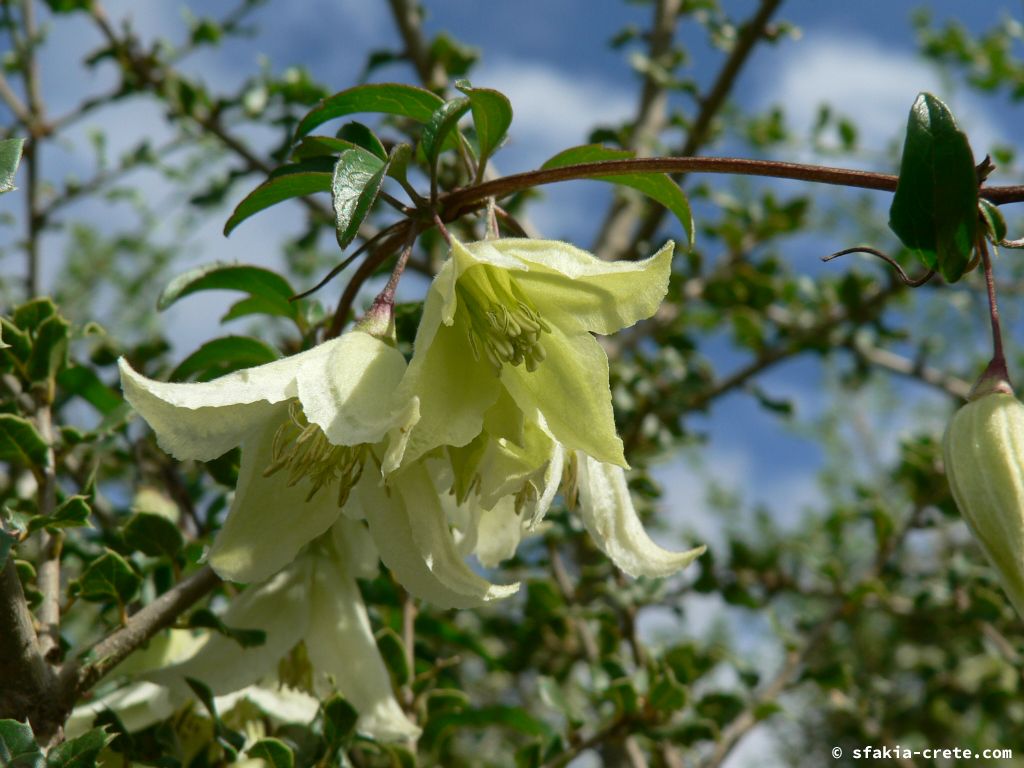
point(507, 330)
point(314, 601)
point(308, 426)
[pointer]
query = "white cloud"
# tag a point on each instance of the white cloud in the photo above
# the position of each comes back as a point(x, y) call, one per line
point(873, 84)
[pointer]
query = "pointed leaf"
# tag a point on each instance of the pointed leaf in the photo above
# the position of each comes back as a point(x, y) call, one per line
point(108, 577)
point(362, 136)
point(492, 116)
point(82, 381)
point(10, 157)
point(384, 98)
point(72, 513)
point(255, 281)
point(153, 535)
point(20, 442)
point(274, 752)
point(321, 146)
point(358, 177)
point(222, 356)
point(49, 350)
point(18, 748)
point(80, 752)
point(992, 217)
point(657, 186)
point(442, 123)
point(935, 208)
point(290, 181)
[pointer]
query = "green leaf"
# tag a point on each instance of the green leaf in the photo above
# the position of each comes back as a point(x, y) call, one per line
point(231, 741)
point(30, 315)
point(207, 619)
point(321, 146)
point(286, 182)
point(442, 122)
point(492, 116)
point(224, 355)
point(992, 218)
point(667, 695)
point(20, 442)
point(255, 281)
point(392, 650)
point(16, 340)
point(513, 718)
point(362, 136)
point(382, 98)
point(80, 752)
point(108, 577)
point(275, 752)
point(10, 157)
point(657, 186)
point(398, 162)
point(18, 748)
point(49, 349)
point(153, 535)
point(935, 208)
point(358, 177)
point(82, 381)
point(339, 722)
point(72, 513)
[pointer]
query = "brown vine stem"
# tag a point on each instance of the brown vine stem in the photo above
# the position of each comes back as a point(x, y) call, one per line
point(461, 200)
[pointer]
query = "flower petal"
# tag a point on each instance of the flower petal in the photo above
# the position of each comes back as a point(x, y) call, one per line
point(454, 389)
point(412, 535)
point(355, 547)
point(280, 607)
point(609, 516)
point(203, 420)
point(350, 392)
point(575, 289)
point(570, 388)
point(499, 531)
point(137, 705)
point(341, 646)
point(269, 522)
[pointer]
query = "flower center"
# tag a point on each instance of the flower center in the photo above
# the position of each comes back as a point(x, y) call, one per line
point(304, 451)
point(503, 324)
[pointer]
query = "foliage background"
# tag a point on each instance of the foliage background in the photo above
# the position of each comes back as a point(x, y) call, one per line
point(784, 412)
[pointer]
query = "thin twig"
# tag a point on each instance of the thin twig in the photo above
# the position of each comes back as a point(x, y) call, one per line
point(14, 103)
point(407, 18)
point(81, 674)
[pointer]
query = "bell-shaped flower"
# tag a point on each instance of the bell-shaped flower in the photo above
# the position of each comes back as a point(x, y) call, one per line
point(308, 425)
point(509, 323)
point(314, 601)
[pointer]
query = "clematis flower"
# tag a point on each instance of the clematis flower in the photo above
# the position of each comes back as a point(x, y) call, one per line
point(506, 330)
point(307, 426)
point(315, 600)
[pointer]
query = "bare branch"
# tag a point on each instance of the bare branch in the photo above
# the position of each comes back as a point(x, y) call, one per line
point(883, 358)
point(14, 103)
point(78, 676)
point(408, 18)
point(48, 571)
point(24, 675)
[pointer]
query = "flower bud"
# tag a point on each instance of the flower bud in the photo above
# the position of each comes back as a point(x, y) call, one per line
point(984, 455)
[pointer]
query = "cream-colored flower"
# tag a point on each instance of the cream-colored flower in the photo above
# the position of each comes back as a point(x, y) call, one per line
point(507, 329)
point(309, 425)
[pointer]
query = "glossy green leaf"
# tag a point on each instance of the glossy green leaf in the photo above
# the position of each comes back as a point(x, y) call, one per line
point(207, 619)
point(80, 752)
point(73, 512)
point(321, 146)
point(222, 356)
point(274, 752)
point(30, 315)
point(49, 349)
point(935, 208)
point(82, 381)
point(108, 577)
point(361, 136)
point(382, 98)
point(492, 116)
point(20, 443)
point(657, 186)
point(255, 281)
point(340, 719)
point(10, 157)
point(18, 748)
point(992, 218)
point(153, 535)
point(358, 177)
point(442, 123)
point(290, 181)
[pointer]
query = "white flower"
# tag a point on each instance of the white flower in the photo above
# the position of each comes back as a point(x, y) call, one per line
point(308, 426)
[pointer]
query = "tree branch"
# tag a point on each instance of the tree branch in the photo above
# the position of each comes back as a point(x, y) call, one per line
point(48, 571)
point(24, 675)
point(408, 19)
point(78, 676)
